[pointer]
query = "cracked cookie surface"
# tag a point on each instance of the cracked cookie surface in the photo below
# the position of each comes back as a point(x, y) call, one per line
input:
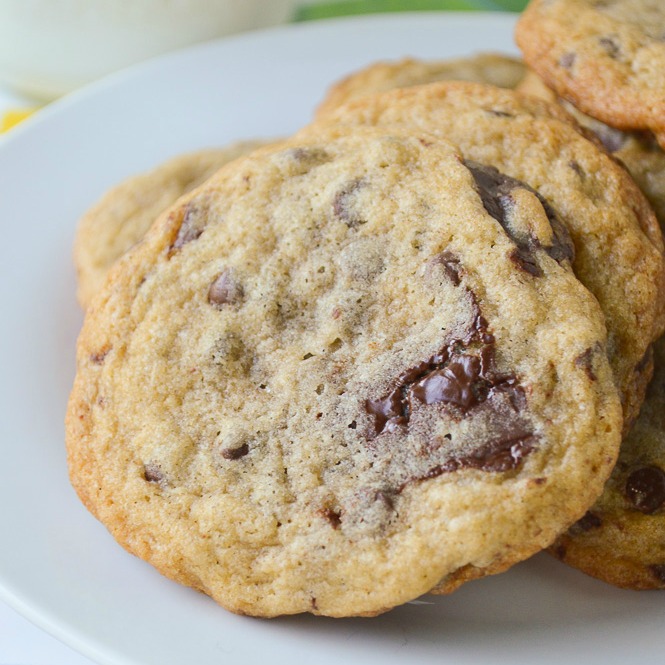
point(283, 390)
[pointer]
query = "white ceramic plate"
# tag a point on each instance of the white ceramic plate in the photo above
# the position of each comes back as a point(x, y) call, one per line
point(58, 566)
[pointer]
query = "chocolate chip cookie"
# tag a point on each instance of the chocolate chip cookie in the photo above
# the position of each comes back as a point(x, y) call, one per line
point(619, 247)
point(493, 68)
point(340, 372)
point(621, 540)
point(606, 56)
point(639, 152)
point(121, 217)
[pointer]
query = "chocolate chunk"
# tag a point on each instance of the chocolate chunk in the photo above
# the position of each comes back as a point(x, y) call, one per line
point(585, 361)
point(452, 384)
point(235, 453)
point(334, 517)
point(99, 356)
point(343, 204)
point(451, 266)
point(645, 489)
point(502, 454)
point(225, 289)
point(575, 165)
point(388, 412)
point(494, 188)
point(610, 46)
point(588, 522)
point(567, 60)
point(309, 156)
point(658, 570)
point(451, 376)
point(152, 472)
point(191, 227)
point(525, 261)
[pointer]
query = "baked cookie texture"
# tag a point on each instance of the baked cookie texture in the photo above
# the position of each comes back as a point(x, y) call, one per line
point(638, 151)
point(605, 56)
point(493, 68)
point(621, 540)
point(619, 246)
point(123, 215)
point(340, 371)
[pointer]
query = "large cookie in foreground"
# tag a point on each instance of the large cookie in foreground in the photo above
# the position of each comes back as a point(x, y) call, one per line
point(337, 373)
point(605, 56)
point(617, 239)
point(493, 68)
point(122, 216)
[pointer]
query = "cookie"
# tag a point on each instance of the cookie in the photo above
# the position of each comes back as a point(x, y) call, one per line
point(619, 247)
point(605, 56)
point(339, 372)
point(493, 68)
point(621, 540)
point(639, 152)
point(122, 216)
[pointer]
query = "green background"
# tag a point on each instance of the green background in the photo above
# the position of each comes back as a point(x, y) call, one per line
point(308, 12)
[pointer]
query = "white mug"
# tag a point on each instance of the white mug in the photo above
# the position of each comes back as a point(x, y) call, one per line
point(49, 47)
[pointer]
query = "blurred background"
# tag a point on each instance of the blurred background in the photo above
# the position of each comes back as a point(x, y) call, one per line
point(51, 47)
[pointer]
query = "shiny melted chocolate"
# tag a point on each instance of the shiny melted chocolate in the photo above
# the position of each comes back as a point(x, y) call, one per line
point(461, 378)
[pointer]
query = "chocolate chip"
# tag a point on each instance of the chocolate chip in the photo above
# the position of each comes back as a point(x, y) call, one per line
point(191, 227)
point(567, 60)
point(309, 156)
point(334, 517)
point(451, 376)
point(502, 454)
point(494, 189)
point(577, 168)
point(388, 412)
point(343, 204)
point(451, 266)
point(610, 46)
point(99, 356)
point(645, 489)
point(225, 290)
point(525, 262)
point(235, 453)
point(658, 571)
point(452, 384)
point(585, 361)
point(588, 522)
point(152, 472)
point(500, 114)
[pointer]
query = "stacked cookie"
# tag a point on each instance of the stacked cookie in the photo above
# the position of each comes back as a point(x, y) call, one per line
point(385, 356)
point(605, 63)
